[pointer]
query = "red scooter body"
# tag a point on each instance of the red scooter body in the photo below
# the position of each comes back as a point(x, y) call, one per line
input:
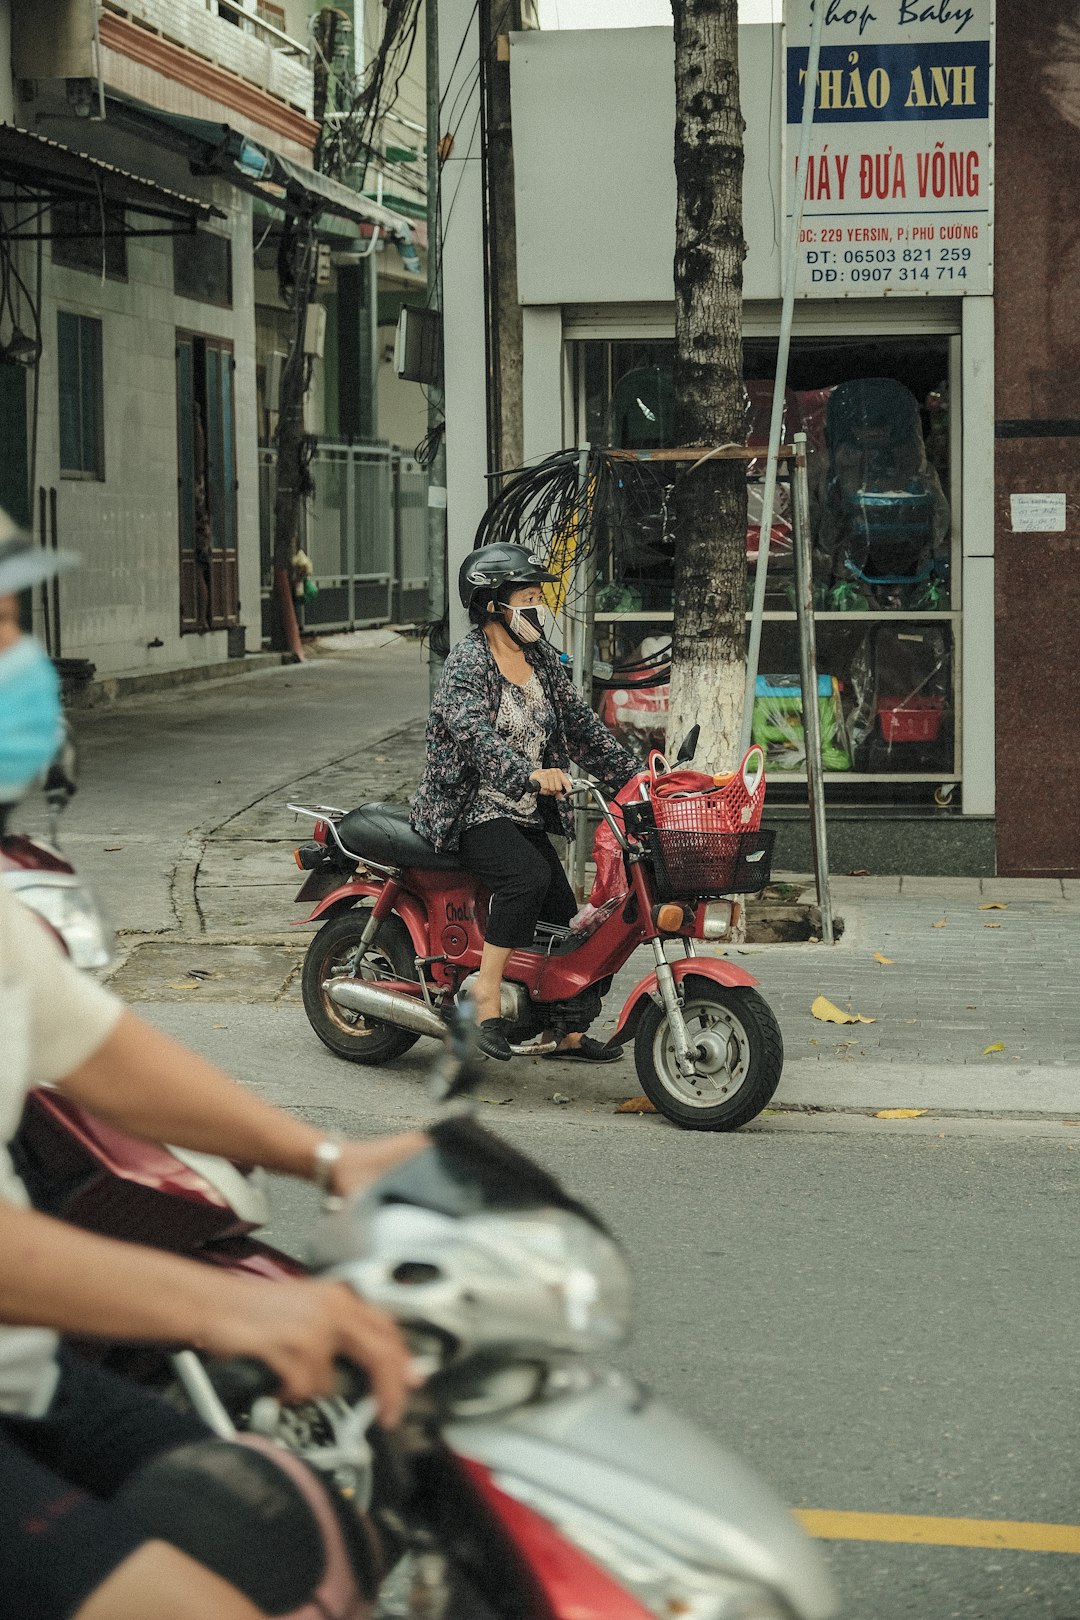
point(373, 985)
point(445, 913)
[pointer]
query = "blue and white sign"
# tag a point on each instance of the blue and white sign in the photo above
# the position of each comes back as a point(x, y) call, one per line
point(899, 186)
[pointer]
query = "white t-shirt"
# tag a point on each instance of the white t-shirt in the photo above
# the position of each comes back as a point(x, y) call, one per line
point(52, 1019)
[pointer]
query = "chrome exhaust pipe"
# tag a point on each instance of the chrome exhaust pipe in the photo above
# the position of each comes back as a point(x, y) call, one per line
point(389, 1006)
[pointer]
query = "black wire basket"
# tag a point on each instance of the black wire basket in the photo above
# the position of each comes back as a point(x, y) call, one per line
point(692, 865)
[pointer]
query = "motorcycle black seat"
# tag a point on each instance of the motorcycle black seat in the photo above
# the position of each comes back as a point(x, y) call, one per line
point(381, 833)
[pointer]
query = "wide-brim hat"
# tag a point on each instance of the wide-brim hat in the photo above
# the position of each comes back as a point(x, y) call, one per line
point(23, 564)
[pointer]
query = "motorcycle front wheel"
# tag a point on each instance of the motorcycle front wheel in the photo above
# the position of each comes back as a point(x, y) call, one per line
point(332, 954)
point(739, 1057)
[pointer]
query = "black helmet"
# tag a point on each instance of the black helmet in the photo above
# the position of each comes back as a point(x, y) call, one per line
point(492, 568)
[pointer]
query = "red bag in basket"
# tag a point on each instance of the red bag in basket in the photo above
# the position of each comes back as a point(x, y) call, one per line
point(609, 885)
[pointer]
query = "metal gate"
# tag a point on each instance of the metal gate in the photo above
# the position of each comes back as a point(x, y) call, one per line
point(365, 530)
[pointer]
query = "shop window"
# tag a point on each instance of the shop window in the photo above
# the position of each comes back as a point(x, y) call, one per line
point(79, 368)
point(202, 268)
point(886, 555)
point(90, 236)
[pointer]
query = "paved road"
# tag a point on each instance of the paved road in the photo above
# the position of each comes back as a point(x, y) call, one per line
point(879, 1315)
point(161, 774)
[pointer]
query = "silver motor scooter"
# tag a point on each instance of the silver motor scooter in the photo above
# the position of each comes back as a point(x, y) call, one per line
point(528, 1479)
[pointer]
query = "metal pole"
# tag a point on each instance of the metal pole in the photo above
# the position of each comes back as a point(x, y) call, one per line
point(436, 496)
point(787, 316)
point(352, 540)
point(584, 626)
point(808, 676)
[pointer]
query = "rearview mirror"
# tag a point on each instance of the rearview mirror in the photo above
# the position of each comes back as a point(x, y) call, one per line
point(689, 746)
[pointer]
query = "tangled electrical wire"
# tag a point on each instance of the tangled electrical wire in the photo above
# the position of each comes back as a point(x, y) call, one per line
point(428, 448)
point(613, 509)
point(359, 103)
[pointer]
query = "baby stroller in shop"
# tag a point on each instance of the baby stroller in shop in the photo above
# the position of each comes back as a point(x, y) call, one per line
point(883, 518)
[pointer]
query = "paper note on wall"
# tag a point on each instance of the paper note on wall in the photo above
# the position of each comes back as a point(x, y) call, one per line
point(1038, 514)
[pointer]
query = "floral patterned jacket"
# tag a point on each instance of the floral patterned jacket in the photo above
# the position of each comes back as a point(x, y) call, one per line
point(464, 748)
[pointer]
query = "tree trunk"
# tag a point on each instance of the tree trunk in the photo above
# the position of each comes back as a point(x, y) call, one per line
point(709, 633)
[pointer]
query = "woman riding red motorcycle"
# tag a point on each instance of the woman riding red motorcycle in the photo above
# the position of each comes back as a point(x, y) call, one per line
point(505, 726)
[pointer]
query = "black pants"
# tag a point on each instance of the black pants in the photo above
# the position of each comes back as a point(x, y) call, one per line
point(527, 883)
point(60, 1536)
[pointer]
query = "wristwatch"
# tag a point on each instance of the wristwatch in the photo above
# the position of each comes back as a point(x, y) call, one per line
point(327, 1154)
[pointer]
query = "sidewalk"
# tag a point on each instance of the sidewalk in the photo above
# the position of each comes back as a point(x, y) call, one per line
point(182, 825)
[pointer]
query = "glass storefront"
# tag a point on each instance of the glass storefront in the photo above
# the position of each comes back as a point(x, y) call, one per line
point(885, 528)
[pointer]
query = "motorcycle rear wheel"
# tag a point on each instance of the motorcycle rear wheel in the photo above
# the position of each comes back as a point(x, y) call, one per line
point(739, 1070)
point(330, 955)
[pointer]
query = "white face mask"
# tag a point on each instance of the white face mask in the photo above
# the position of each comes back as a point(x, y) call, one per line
point(527, 624)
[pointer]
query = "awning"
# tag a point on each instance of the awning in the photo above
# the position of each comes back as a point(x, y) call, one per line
point(34, 164)
point(219, 149)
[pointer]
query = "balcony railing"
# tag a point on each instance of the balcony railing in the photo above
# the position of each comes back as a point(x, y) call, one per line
point(252, 48)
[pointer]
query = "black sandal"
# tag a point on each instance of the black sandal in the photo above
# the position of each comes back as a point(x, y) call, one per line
point(492, 1041)
point(588, 1051)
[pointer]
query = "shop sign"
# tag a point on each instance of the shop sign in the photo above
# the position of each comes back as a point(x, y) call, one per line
point(899, 185)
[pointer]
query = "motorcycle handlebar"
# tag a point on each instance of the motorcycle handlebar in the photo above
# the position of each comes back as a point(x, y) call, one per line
point(578, 785)
point(240, 1380)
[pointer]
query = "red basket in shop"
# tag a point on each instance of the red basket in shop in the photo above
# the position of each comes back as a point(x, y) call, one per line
point(911, 720)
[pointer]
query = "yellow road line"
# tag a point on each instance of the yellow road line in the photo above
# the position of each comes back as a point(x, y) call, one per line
point(1006, 1535)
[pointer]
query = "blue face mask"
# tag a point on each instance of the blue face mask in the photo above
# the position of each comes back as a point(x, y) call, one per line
point(31, 719)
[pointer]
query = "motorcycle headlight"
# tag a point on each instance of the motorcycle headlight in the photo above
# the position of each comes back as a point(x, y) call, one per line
point(662, 1582)
point(71, 910)
point(577, 1265)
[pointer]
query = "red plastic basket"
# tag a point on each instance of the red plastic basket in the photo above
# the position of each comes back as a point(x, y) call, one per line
point(910, 720)
point(690, 801)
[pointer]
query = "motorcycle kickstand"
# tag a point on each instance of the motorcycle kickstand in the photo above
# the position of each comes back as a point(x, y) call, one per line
point(685, 1051)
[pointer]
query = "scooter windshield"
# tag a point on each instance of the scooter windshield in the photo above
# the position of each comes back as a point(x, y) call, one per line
point(468, 1171)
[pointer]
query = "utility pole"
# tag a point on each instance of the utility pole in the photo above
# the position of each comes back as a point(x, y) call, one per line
point(505, 340)
point(436, 510)
point(296, 274)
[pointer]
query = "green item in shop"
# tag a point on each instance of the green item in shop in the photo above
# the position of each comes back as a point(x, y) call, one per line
point(778, 723)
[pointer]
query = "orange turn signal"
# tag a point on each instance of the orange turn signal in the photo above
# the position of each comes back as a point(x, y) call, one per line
point(670, 918)
point(296, 858)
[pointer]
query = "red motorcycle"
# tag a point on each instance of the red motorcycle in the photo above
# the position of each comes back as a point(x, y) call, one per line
point(403, 929)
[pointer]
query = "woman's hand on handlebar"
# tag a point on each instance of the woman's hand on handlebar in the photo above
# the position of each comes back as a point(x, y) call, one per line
point(551, 782)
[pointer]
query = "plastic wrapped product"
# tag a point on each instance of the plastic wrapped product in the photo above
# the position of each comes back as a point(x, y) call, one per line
point(778, 723)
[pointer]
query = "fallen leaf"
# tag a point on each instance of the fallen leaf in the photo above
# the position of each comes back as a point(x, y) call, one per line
point(886, 961)
point(900, 1113)
point(219, 1026)
point(998, 1046)
point(559, 1097)
point(994, 905)
point(199, 973)
point(991, 925)
point(970, 1006)
point(859, 871)
point(942, 923)
point(112, 849)
point(636, 1105)
point(828, 1013)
